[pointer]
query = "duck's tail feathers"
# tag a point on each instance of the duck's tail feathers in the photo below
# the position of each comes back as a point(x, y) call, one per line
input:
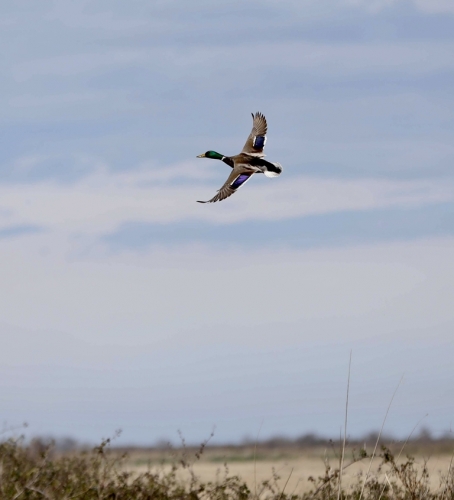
point(273, 172)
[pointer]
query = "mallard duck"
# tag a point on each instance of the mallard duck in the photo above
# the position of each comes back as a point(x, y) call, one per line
point(249, 162)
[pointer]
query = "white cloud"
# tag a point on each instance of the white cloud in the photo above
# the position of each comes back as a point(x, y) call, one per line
point(436, 6)
point(75, 64)
point(428, 6)
point(318, 58)
point(371, 5)
point(101, 201)
point(160, 295)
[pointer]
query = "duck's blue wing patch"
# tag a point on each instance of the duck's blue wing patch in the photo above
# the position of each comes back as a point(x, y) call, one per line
point(240, 180)
point(259, 142)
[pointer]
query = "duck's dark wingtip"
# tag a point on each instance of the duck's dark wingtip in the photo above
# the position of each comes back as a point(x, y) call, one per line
point(198, 201)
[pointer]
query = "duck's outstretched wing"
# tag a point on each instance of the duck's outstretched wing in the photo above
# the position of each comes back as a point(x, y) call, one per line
point(232, 184)
point(257, 138)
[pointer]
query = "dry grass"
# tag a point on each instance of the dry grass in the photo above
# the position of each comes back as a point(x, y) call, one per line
point(302, 465)
point(36, 471)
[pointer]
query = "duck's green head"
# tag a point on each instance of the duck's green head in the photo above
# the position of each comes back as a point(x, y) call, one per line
point(211, 154)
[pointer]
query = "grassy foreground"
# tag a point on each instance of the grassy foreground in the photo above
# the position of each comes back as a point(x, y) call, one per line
point(39, 472)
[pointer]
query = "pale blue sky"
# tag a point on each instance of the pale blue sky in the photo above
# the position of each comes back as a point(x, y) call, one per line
point(125, 304)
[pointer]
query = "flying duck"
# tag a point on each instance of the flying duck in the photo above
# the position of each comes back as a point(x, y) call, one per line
point(250, 161)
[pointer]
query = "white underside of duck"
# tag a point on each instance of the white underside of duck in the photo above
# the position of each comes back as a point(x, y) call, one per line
point(273, 172)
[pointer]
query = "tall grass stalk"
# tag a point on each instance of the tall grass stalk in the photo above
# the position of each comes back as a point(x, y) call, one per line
point(400, 453)
point(341, 465)
point(448, 476)
point(378, 438)
point(255, 459)
point(285, 485)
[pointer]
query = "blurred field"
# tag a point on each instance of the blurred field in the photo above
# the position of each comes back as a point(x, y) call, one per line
point(283, 466)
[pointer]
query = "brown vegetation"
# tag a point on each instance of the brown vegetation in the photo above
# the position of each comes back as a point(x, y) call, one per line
point(38, 470)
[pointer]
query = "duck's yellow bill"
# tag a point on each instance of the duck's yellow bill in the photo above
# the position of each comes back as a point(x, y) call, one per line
point(201, 156)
